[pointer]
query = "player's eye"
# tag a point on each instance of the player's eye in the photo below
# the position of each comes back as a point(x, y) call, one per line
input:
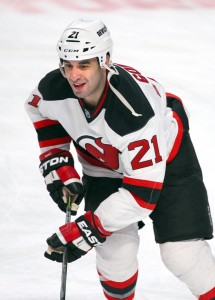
point(67, 66)
point(83, 67)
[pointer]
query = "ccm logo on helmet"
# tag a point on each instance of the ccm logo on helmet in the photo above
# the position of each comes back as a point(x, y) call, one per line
point(88, 233)
point(52, 162)
point(71, 50)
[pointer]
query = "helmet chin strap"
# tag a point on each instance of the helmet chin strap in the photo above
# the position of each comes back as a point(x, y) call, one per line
point(113, 71)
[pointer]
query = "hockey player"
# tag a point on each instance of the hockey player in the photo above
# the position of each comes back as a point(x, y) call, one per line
point(132, 140)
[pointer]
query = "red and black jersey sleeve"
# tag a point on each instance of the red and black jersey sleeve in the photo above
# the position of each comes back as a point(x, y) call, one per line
point(51, 133)
point(53, 88)
point(180, 115)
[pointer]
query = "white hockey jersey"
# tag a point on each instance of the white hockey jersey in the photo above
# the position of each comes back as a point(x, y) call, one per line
point(111, 141)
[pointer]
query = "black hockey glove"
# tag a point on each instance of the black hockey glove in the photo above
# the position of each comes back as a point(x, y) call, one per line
point(79, 237)
point(57, 167)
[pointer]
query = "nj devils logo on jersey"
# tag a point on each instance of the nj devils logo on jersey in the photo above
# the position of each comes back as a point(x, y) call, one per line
point(105, 153)
point(109, 155)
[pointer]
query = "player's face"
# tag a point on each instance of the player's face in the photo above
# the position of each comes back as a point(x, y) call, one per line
point(86, 78)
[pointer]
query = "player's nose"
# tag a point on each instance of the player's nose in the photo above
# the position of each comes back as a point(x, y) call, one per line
point(74, 75)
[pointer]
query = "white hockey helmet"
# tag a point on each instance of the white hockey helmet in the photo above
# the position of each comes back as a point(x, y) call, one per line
point(85, 39)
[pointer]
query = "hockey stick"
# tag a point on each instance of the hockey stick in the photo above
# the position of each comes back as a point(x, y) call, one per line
point(65, 258)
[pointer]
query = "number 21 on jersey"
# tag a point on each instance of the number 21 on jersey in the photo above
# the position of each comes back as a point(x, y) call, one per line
point(144, 146)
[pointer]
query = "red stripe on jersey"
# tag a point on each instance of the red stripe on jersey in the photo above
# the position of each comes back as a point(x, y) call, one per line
point(176, 97)
point(44, 123)
point(112, 298)
point(178, 139)
point(154, 86)
point(54, 142)
point(173, 96)
point(143, 203)
point(143, 183)
point(152, 79)
point(209, 295)
point(117, 284)
point(91, 160)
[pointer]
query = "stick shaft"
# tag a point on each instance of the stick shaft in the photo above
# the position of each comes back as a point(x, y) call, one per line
point(65, 254)
point(65, 259)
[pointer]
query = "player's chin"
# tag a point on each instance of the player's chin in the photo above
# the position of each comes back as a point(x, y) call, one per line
point(79, 92)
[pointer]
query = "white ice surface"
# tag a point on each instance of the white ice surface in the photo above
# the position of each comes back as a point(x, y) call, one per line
point(177, 48)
